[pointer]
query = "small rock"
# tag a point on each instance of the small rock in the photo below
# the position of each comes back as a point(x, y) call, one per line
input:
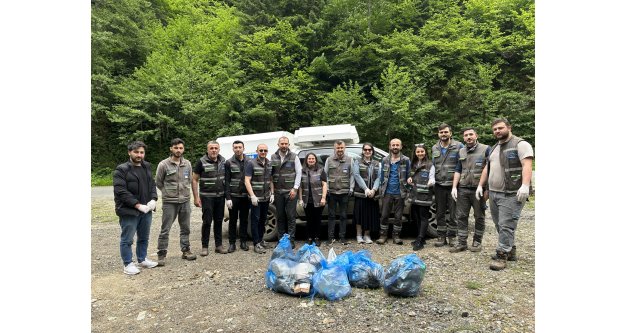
point(93, 300)
point(229, 320)
point(111, 318)
point(375, 329)
point(220, 330)
point(141, 315)
point(412, 314)
point(188, 317)
point(465, 314)
point(328, 321)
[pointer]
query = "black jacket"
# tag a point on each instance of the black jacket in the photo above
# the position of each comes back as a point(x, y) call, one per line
point(127, 190)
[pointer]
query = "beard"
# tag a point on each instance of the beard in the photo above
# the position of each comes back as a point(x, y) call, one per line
point(395, 151)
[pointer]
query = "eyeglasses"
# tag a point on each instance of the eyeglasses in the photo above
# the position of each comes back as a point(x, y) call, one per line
point(263, 150)
point(365, 149)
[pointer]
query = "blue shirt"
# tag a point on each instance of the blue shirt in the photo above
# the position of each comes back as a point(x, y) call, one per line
point(393, 179)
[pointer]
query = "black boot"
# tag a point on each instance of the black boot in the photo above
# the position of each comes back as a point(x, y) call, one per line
point(232, 248)
point(244, 246)
point(418, 244)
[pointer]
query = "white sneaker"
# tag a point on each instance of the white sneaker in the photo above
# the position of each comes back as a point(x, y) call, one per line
point(147, 263)
point(359, 239)
point(367, 239)
point(131, 269)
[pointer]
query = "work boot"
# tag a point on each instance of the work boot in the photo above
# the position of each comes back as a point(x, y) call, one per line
point(511, 255)
point(259, 249)
point(461, 246)
point(442, 241)
point(396, 239)
point(418, 244)
point(265, 245)
point(161, 259)
point(204, 252)
point(220, 249)
point(244, 246)
point(452, 241)
point(317, 242)
point(188, 255)
point(476, 246)
point(382, 239)
point(232, 248)
point(499, 263)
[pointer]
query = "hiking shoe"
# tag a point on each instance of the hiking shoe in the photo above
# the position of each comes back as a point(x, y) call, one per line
point(161, 260)
point(367, 239)
point(397, 240)
point(360, 240)
point(220, 249)
point(418, 244)
point(244, 246)
point(147, 263)
point(442, 241)
point(452, 241)
point(259, 249)
point(458, 248)
point(344, 241)
point(499, 263)
point(188, 255)
point(204, 252)
point(265, 245)
point(475, 247)
point(382, 239)
point(511, 255)
point(131, 269)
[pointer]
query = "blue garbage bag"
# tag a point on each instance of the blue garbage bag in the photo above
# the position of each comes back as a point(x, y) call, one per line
point(290, 277)
point(311, 254)
point(404, 276)
point(364, 272)
point(331, 282)
point(344, 260)
point(284, 250)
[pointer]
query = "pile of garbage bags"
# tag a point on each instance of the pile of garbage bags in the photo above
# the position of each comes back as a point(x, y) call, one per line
point(308, 272)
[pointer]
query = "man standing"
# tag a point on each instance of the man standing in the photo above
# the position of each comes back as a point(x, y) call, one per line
point(258, 186)
point(509, 174)
point(135, 199)
point(338, 168)
point(286, 171)
point(236, 196)
point(209, 174)
point(173, 178)
point(444, 157)
point(466, 179)
point(395, 175)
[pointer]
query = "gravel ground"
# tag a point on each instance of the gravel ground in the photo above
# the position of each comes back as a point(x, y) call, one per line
point(227, 293)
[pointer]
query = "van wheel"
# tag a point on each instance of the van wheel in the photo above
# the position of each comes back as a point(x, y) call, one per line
point(432, 225)
point(271, 226)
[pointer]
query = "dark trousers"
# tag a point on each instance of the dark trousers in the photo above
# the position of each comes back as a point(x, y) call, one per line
point(466, 200)
point(421, 215)
point(285, 208)
point(259, 218)
point(333, 200)
point(394, 203)
point(240, 211)
point(313, 220)
point(445, 202)
point(212, 210)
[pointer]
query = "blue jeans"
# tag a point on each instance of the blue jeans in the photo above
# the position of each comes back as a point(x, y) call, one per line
point(505, 210)
point(131, 225)
point(259, 218)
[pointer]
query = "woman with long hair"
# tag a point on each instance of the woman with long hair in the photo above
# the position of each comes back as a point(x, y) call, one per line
point(366, 206)
point(312, 196)
point(421, 195)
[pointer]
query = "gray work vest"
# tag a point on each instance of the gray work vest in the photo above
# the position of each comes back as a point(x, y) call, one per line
point(283, 172)
point(421, 193)
point(473, 162)
point(176, 179)
point(386, 171)
point(364, 169)
point(314, 178)
point(511, 164)
point(339, 172)
point(261, 179)
point(212, 178)
point(444, 165)
point(237, 176)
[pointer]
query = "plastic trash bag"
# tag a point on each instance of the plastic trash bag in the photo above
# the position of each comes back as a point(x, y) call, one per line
point(283, 249)
point(364, 272)
point(290, 277)
point(404, 276)
point(311, 254)
point(331, 282)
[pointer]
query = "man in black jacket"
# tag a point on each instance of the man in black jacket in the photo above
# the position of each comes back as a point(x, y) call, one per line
point(135, 199)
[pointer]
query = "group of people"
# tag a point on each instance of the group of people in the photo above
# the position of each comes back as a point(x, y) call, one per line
point(459, 177)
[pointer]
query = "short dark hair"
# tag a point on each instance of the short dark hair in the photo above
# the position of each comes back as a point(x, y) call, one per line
point(136, 145)
point(176, 141)
point(237, 142)
point(500, 120)
point(339, 142)
point(443, 126)
point(470, 128)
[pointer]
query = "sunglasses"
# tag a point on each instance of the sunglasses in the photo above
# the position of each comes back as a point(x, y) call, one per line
point(263, 150)
point(365, 149)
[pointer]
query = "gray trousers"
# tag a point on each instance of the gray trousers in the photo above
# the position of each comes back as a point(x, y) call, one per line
point(394, 203)
point(444, 201)
point(466, 200)
point(170, 212)
point(286, 213)
point(505, 210)
point(341, 200)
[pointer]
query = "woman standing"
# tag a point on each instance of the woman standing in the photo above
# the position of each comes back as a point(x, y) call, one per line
point(366, 206)
point(421, 194)
point(312, 196)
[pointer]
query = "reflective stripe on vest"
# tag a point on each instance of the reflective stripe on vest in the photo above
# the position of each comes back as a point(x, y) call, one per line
point(444, 165)
point(363, 170)
point(212, 180)
point(283, 172)
point(473, 162)
point(386, 170)
point(261, 179)
point(339, 174)
point(421, 193)
point(314, 177)
point(237, 176)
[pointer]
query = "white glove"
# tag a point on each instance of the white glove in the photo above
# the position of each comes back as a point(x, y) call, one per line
point(152, 204)
point(430, 183)
point(271, 199)
point(144, 209)
point(300, 202)
point(523, 193)
point(254, 200)
point(229, 204)
point(479, 192)
point(454, 193)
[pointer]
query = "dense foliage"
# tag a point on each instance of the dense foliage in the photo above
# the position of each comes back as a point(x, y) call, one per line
point(394, 68)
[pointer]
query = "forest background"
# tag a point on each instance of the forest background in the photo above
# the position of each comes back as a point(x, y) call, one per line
point(199, 70)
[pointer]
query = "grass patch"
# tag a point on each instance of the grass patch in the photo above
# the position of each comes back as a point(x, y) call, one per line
point(102, 177)
point(103, 211)
point(473, 285)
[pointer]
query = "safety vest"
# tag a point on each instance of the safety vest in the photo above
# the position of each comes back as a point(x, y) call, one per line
point(339, 172)
point(421, 193)
point(212, 178)
point(314, 178)
point(283, 172)
point(444, 165)
point(511, 164)
point(237, 176)
point(261, 179)
point(364, 169)
point(473, 161)
point(386, 171)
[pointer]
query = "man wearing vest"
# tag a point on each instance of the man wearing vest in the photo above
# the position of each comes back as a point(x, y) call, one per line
point(444, 157)
point(395, 176)
point(173, 178)
point(286, 171)
point(236, 197)
point(509, 174)
point(466, 179)
point(209, 174)
point(338, 168)
point(258, 186)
